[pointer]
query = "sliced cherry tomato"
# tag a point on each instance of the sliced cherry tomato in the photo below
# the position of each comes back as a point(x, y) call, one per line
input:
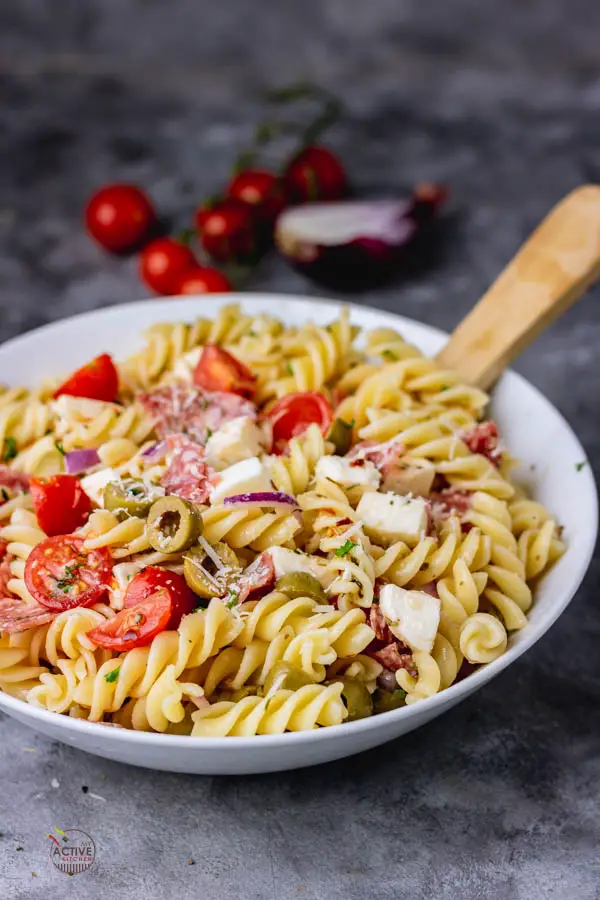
point(262, 191)
point(227, 231)
point(60, 503)
point(60, 574)
point(97, 380)
point(150, 579)
point(163, 262)
point(202, 280)
point(135, 626)
point(315, 174)
point(294, 413)
point(120, 217)
point(218, 370)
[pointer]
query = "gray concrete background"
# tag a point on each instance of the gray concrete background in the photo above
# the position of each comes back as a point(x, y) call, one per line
point(498, 799)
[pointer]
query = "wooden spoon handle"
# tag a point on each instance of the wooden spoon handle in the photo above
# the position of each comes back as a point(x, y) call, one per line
point(552, 270)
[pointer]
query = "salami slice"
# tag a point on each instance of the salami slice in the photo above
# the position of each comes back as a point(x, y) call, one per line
point(448, 502)
point(14, 481)
point(394, 656)
point(483, 439)
point(259, 575)
point(15, 615)
point(187, 474)
point(183, 409)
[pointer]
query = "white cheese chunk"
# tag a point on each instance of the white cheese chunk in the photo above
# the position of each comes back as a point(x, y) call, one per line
point(347, 473)
point(391, 517)
point(287, 561)
point(95, 483)
point(246, 477)
point(183, 369)
point(413, 616)
point(238, 439)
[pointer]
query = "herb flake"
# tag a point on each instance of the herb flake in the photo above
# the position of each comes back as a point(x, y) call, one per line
point(111, 677)
point(345, 548)
point(60, 448)
point(389, 354)
point(580, 465)
point(9, 449)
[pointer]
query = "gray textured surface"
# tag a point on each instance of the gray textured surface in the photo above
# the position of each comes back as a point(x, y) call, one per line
point(499, 798)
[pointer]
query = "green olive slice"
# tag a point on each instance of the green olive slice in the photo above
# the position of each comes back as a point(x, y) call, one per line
point(384, 701)
point(356, 698)
point(340, 435)
point(285, 676)
point(129, 497)
point(301, 584)
point(202, 575)
point(174, 524)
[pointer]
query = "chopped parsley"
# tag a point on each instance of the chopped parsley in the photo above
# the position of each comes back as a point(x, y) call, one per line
point(20, 848)
point(579, 466)
point(135, 491)
point(9, 449)
point(389, 354)
point(233, 599)
point(252, 333)
point(209, 433)
point(66, 582)
point(289, 369)
point(60, 448)
point(345, 548)
point(5, 496)
point(111, 677)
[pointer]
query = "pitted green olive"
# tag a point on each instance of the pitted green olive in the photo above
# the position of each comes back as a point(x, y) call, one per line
point(301, 584)
point(130, 497)
point(356, 698)
point(340, 435)
point(285, 676)
point(174, 524)
point(384, 701)
point(203, 576)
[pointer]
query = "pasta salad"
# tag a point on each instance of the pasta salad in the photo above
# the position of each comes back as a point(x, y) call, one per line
point(249, 528)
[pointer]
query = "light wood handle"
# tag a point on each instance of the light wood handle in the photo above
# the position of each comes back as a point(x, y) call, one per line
point(553, 269)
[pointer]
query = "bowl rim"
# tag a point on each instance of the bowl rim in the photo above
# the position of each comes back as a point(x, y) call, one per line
point(444, 698)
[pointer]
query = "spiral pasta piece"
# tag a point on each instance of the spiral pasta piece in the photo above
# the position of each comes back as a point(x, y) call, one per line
point(483, 638)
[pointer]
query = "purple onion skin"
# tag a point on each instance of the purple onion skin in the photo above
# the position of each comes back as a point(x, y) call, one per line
point(367, 263)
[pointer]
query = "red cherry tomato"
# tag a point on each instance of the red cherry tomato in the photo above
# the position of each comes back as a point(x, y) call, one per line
point(135, 626)
point(315, 174)
point(262, 191)
point(294, 413)
point(218, 370)
point(97, 380)
point(119, 217)
point(60, 574)
point(150, 579)
point(202, 280)
point(227, 231)
point(60, 503)
point(163, 262)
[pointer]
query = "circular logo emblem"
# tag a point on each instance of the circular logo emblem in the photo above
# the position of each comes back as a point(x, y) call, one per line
point(72, 851)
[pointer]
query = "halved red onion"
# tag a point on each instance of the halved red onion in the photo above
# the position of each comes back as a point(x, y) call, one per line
point(77, 461)
point(357, 244)
point(273, 499)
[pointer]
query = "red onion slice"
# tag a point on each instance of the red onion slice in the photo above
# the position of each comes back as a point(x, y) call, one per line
point(77, 461)
point(273, 499)
point(155, 451)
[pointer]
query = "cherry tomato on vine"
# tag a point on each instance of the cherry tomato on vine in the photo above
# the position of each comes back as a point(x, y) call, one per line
point(119, 217)
point(202, 280)
point(61, 574)
point(60, 503)
point(218, 370)
point(315, 174)
point(97, 380)
point(163, 262)
point(261, 190)
point(227, 231)
point(294, 413)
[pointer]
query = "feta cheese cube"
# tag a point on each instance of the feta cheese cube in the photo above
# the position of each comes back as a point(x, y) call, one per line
point(391, 517)
point(246, 477)
point(95, 483)
point(413, 616)
point(403, 479)
point(287, 561)
point(348, 472)
point(183, 369)
point(236, 440)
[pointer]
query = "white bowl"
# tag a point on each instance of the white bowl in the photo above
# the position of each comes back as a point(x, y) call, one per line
point(532, 428)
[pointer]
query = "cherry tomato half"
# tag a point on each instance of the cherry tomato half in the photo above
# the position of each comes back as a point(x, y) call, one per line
point(227, 231)
point(202, 280)
point(218, 370)
point(294, 413)
point(315, 174)
point(135, 626)
point(163, 262)
point(60, 503)
point(97, 380)
point(262, 191)
point(119, 217)
point(60, 574)
point(150, 579)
